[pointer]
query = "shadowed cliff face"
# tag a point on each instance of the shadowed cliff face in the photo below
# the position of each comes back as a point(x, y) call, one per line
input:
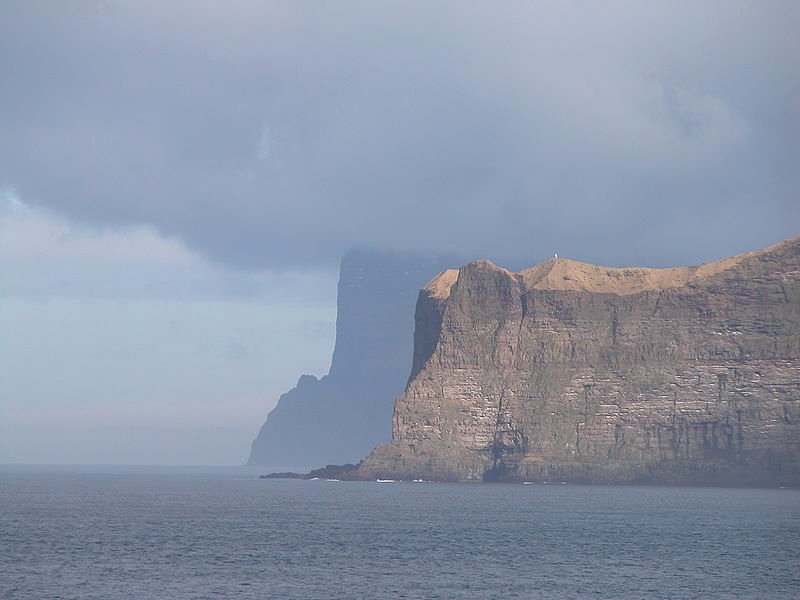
point(342, 416)
point(568, 371)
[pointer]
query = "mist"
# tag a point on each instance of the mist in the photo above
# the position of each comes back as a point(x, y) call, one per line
point(180, 180)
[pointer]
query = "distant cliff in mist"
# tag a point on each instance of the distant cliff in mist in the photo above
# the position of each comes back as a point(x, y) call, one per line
point(345, 414)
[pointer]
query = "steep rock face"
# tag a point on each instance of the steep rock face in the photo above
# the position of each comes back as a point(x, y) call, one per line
point(569, 371)
point(343, 415)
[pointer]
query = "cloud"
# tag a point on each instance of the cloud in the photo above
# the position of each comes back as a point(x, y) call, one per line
point(281, 134)
point(120, 344)
point(30, 233)
point(44, 255)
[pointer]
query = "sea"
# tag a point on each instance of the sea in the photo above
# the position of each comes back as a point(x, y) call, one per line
point(109, 533)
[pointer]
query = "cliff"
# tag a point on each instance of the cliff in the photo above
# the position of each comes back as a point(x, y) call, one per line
point(343, 415)
point(574, 372)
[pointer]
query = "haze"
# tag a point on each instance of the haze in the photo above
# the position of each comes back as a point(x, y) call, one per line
point(179, 181)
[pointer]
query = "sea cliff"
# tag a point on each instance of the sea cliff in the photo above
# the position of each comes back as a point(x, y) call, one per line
point(341, 416)
point(575, 372)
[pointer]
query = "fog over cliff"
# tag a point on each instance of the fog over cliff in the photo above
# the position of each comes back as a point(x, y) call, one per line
point(342, 416)
point(222, 159)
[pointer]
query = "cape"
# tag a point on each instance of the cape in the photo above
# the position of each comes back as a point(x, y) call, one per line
point(569, 371)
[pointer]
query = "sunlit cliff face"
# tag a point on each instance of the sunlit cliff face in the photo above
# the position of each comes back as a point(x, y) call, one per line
point(570, 371)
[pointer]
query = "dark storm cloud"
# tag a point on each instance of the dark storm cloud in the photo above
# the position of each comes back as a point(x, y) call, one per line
point(268, 134)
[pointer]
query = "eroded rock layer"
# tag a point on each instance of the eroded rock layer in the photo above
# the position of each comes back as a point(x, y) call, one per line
point(575, 372)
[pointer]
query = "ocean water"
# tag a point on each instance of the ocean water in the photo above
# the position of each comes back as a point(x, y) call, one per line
point(179, 534)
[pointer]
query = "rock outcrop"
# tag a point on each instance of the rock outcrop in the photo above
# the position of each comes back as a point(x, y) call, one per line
point(573, 372)
point(343, 415)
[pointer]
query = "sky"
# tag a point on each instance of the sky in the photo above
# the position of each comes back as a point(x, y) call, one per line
point(179, 180)
point(123, 346)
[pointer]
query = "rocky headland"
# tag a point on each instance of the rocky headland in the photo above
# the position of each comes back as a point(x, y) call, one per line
point(575, 372)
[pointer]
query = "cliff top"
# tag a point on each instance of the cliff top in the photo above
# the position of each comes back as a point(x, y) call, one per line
point(439, 286)
point(568, 274)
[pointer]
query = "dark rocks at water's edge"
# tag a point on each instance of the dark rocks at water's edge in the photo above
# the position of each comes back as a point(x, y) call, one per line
point(339, 472)
point(340, 417)
point(573, 372)
point(284, 475)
